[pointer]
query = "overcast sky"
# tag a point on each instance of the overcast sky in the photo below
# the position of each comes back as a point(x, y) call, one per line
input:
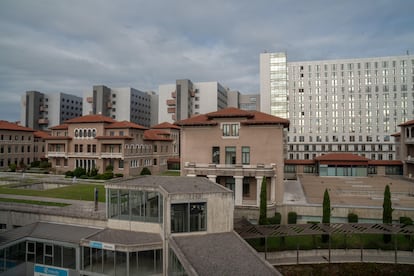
point(69, 46)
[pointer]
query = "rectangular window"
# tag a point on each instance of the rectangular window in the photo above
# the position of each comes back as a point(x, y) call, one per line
point(188, 217)
point(215, 155)
point(121, 164)
point(231, 130)
point(245, 155)
point(230, 155)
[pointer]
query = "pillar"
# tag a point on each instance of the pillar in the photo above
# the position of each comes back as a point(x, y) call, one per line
point(273, 189)
point(259, 180)
point(212, 178)
point(238, 190)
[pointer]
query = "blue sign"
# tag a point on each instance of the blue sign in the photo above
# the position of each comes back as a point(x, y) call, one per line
point(44, 270)
point(95, 244)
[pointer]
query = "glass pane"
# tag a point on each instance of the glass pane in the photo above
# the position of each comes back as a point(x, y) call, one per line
point(179, 218)
point(197, 217)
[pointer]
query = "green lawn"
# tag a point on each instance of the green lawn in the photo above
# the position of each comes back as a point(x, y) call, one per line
point(75, 191)
point(34, 202)
point(338, 241)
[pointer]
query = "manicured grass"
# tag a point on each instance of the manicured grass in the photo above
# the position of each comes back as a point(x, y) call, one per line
point(75, 191)
point(34, 202)
point(338, 241)
point(171, 173)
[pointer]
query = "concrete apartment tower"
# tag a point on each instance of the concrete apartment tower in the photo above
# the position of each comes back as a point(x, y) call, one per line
point(122, 104)
point(343, 105)
point(40, 111)
point(185, 99)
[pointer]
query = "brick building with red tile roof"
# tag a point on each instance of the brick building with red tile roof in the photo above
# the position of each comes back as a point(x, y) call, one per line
point(97, 141)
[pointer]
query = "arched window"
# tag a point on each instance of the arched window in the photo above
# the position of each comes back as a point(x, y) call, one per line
point(76, 132)
point(80, 133)
point(89, 133)
point(85, 133)
point(412, 132)
point(94, 132)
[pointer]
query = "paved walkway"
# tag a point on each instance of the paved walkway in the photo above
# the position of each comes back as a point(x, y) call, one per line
point(338, 256)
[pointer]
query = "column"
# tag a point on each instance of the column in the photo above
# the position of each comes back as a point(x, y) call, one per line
point(259, 180)
point(238, 191)
point(212, 178)
point(273, 189)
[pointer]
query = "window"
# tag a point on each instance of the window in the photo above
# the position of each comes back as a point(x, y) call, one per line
point(188, 217)
point(246, 187)
point(245, 155)
point(231, 130)
point(230, 155)
point(215, 155)
point(121, 164)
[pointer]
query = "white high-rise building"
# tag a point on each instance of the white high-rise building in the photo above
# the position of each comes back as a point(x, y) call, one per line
point(43, 110)
point(185, 99)
point(122, 104)
point(344, 105)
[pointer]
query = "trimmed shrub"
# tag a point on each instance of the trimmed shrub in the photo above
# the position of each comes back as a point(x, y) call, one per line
point(109, 168)
point(352, 218)
point(263, 203)
point(35, 164)
point(119, 175)
point(12, 167)
point(145, 171)
point(406, 221)
point(292, 217)
point(69, 174)
point(107, 175)
point(45, 165)
point(78, 172)
point(276, 219)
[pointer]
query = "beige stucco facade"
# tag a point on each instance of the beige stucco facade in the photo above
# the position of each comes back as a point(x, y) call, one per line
point(239, 161)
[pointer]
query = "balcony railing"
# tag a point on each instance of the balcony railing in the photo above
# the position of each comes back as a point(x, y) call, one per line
point(112, 155)
point(56, 154)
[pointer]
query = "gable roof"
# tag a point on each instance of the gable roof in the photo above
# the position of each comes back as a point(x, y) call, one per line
point(248, 118)
point(91, 119)
point(157, 135)
point(165, 125)
point(41, 134)
point(5, 125)
point(125, 124)
point(408, 123)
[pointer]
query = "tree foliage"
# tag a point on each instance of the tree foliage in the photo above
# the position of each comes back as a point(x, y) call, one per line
point(326, 209)
point(145, 171)
point(387, 211)
point(326, 217)
point(263, 203)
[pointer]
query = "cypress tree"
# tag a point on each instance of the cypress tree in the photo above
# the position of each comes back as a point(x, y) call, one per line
point(263, 203)
point(387, 211)
point(326, 215)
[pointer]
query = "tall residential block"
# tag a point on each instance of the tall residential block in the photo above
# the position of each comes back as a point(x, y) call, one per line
point(343, 105)
point(185, 99)
point(42, 110)
point(123, 104)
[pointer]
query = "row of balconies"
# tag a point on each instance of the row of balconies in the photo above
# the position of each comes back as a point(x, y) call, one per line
point(85, 154)
point(230, 169)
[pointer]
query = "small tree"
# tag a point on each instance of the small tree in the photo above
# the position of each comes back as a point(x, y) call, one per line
point(352, 218)
point(326, 209)
point(387, 211)
point(292, 217)
point(263, 203)
point(145, 171)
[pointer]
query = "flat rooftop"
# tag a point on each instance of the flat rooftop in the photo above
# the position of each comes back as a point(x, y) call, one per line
point(172, 185)
point(356, 191)
point(220, 254)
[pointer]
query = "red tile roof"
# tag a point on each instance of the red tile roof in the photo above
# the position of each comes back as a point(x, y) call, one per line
point(58, 138)
point(249, 118)
point(341, 157)
point(385, 162)
point(165, 125)
point(157, 135)
point(125, 124)
point(408, 123)
point(63, 126)
point(113, 137)
point(41, 134)
point(91, 119)
point(5, 125)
